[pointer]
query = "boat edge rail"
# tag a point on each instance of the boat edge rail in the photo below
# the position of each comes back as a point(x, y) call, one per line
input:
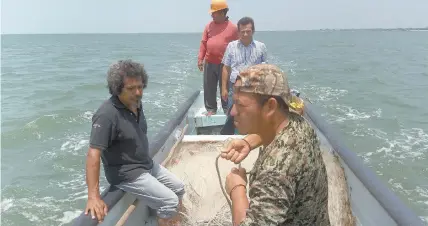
point(395, 207)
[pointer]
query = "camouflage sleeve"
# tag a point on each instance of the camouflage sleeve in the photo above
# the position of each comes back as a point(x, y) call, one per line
point(272, 195)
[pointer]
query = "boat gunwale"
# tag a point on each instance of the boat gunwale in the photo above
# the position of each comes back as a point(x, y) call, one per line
point(393, 205)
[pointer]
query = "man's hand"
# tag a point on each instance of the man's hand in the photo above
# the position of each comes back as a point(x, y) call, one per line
point(97, 208)
point(201, 66)
point(235, 178)
point(236, 151)
point(224, 94)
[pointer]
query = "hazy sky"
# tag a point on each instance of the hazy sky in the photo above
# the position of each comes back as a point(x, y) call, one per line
point(101, 16)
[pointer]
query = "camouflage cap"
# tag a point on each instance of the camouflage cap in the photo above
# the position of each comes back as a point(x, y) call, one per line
point(265, 79)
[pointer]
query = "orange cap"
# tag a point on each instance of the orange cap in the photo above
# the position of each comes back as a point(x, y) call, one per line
point(217, 5)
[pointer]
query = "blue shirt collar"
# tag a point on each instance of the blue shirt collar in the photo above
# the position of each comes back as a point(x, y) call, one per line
point(252, 43)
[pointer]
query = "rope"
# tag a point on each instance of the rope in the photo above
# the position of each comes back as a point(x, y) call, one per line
point(221, 184)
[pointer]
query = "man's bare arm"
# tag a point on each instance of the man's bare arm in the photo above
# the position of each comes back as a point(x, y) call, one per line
point(102, 133)
point(224, 79)
point(93, 172)
point(95, 206)
point(240, 204)
point(225, 74)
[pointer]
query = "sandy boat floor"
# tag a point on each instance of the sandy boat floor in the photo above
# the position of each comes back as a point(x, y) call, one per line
point(194, 163)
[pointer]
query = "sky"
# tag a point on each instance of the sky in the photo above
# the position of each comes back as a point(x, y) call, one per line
point(164, 16)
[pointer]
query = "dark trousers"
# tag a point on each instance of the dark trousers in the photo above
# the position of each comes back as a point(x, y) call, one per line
point(212, 78)
point(228, 127)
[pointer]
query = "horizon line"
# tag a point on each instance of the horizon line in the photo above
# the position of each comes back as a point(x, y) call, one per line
point(195, 32)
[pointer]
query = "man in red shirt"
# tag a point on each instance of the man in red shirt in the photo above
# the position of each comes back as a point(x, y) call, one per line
point(217, 34)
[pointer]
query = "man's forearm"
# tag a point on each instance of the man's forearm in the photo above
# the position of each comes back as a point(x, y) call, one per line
point(93, 175)
point(240, 205)
point(225, 75)
point(202, 52)
point(253, 140)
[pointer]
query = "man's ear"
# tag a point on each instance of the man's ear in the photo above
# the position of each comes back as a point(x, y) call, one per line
point(270, 107)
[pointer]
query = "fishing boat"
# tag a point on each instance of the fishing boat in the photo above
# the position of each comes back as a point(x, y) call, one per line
point(356, 195)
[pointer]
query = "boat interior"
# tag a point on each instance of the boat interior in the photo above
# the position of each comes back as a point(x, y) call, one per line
point(189, 144)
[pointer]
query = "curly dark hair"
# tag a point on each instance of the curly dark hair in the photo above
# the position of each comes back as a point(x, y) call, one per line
point(122, 68)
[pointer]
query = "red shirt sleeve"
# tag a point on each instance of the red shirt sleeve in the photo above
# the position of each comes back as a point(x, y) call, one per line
point(203, 46)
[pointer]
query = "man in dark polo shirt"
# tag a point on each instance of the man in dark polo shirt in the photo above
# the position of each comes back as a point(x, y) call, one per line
point(119, 138)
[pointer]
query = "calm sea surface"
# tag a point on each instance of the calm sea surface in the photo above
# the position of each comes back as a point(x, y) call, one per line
point(370, 85)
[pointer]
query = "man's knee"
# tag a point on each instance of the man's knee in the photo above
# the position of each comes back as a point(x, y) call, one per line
point(179, 190)
point(169, 208)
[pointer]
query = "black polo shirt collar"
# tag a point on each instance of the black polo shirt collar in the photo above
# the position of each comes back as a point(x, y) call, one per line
point(118, 104)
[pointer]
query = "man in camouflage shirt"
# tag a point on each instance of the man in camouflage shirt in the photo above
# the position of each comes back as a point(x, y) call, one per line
point(288, 183)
